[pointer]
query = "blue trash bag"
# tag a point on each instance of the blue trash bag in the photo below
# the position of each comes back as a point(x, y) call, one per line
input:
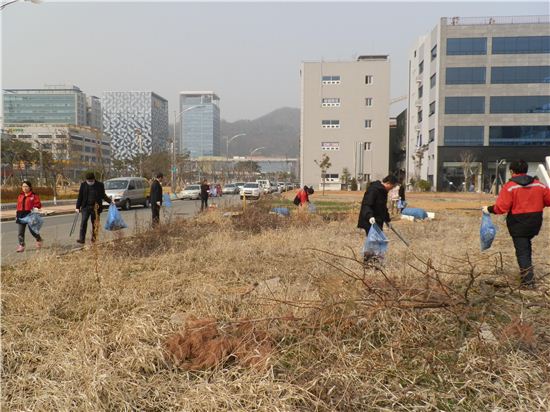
point(283, 211)
point(376, 243)
point(166, 201)
point(415, 212)
point(487, 231)
point(34, 221)
point(114, 219)
point(311, 208)
point(401, 204)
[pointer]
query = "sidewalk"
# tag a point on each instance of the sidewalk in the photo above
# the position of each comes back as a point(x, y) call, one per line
point(6, 215)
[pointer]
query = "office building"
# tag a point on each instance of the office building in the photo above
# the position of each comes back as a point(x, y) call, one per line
point(479, 96)
point(137, 122)
point(93, 113)
point(345, 115)
point(200, 123)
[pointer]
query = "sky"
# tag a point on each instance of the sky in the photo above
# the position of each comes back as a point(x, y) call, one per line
point(249, 53)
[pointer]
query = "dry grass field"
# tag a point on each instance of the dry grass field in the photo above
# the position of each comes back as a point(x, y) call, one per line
point(264, 313)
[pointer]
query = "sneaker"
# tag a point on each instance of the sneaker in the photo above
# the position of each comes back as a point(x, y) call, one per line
point(80, 241)
point(39, 244)
point(20, 248)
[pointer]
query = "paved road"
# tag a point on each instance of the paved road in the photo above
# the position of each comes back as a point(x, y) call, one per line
point(56, 228)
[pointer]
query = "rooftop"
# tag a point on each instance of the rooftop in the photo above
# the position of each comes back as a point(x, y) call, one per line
point(470, 21)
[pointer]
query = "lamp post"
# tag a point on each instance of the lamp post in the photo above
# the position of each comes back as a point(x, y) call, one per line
point(255, 150)
point(4, 5)
point(176, 116)
point(229, 140)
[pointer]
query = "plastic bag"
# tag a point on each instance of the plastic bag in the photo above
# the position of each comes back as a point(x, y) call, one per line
point(376, 243)
point(34, 221)
point(166, 201)
point(114, 219)
point(311, 208)
point(283, 211)
point(401, 204)
point(487, 231)
point(415, 212)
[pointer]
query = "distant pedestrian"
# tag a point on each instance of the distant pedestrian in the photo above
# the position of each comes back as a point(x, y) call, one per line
point(205, 190)
point(26, 202)
point(219, 190)
point(523, 198)
point(374, 208)
point(156, 198)
point(90, 203)
point(302, 196)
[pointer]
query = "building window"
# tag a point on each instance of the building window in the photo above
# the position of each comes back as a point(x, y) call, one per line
point(368, 101)
point(421, 67)
point(520, 104)
point(419, 140)
point(366, 146)
point(521, 45)
point(368, 79)
point(330, 102)
point(368, 124)
point(520, 74)
point(330, 177)
point(432, 135)
point(463, 136)
point(330, 80)
point(330, 146)
point(432, 108)
point(434, 52)
point(330, 124)
point(465, 105)
point(465, 75)
point(419, 116)
point(519, 135)
point(44, 136)
point(466, 46)
point(432, 81)
point(420, 91)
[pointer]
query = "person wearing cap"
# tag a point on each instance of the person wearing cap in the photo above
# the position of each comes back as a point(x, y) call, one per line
point(523, 199)
point(156, 198)
point(90, 203)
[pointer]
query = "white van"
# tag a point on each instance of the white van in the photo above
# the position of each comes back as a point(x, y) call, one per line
point(266, 186)
point(128, 191)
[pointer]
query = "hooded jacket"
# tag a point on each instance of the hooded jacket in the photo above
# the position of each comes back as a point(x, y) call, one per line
point(523, 198)
point(374, 204)
point(25, 204)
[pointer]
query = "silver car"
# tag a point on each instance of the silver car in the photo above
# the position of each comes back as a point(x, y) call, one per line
point(190, 192)
point(128, 191)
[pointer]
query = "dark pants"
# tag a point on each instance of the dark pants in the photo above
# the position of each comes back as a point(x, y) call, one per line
point(155, 210)
point(89, 213)
point(21, 234)
point(204, 202)
point(523, 254)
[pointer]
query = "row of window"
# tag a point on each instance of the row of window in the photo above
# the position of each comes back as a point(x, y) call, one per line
point(501, 45)
point(335, 146)
point(498, 104)
point(334, 79)
point(498, 136)
point(335, 124)
point(335, 102)
point(499, 75)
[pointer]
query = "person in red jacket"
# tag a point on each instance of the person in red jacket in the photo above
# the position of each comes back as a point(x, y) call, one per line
point(302, 196)
point(26, 202)
point(523, 199)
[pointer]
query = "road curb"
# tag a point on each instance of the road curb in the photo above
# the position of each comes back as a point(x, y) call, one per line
point(68, 212)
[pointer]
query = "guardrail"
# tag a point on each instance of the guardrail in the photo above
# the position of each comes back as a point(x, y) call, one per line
point(467, 21)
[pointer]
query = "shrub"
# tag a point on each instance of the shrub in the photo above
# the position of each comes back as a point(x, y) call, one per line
point(423, 185)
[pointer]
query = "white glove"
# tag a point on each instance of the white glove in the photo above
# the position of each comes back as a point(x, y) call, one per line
point(372, 221)
point(158, 203)
point(485, 209)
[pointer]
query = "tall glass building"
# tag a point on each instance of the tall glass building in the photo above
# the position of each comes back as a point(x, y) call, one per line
point(479, 96)
point(200, 123)
point(137, 122)
point(51, 105)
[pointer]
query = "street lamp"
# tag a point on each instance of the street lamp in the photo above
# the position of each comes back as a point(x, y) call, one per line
point(4, 5)
point(229, 140)
point(255, 150)
point(176, 116)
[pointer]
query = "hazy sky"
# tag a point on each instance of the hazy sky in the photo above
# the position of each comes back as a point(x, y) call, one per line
point(248, 53)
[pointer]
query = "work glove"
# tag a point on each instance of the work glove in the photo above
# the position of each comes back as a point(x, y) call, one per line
point(372, 221)
point(77, 210)
point(158, 203)
point(485, 209)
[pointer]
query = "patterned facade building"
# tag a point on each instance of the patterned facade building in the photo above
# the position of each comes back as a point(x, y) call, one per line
point(136, 121)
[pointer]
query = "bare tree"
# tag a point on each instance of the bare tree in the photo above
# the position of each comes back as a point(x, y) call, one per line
point(467, 158)
point(324, 164)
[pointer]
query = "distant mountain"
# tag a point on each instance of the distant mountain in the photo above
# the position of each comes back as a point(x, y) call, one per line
point(278, 132)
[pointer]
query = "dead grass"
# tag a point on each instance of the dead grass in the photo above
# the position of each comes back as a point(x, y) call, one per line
point(226, 314)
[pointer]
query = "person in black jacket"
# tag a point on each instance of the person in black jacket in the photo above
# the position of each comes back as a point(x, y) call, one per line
point(90, 202)
point(374, 208)
point(205, 189)
point(156, 198)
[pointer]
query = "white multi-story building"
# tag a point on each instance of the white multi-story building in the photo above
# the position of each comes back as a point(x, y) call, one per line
point(345, 115)
point(479, 95)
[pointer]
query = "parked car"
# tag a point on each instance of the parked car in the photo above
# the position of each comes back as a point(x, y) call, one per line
point(230, 189)
point(251, 190)
point(128, 191)
point(190, 192)
point(281, 187)
point(240, 185)
point(265, 185)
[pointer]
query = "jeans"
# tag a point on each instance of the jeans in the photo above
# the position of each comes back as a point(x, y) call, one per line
point(155, 210)
point(21, 233)
point(89, 213)
point(523, 254)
